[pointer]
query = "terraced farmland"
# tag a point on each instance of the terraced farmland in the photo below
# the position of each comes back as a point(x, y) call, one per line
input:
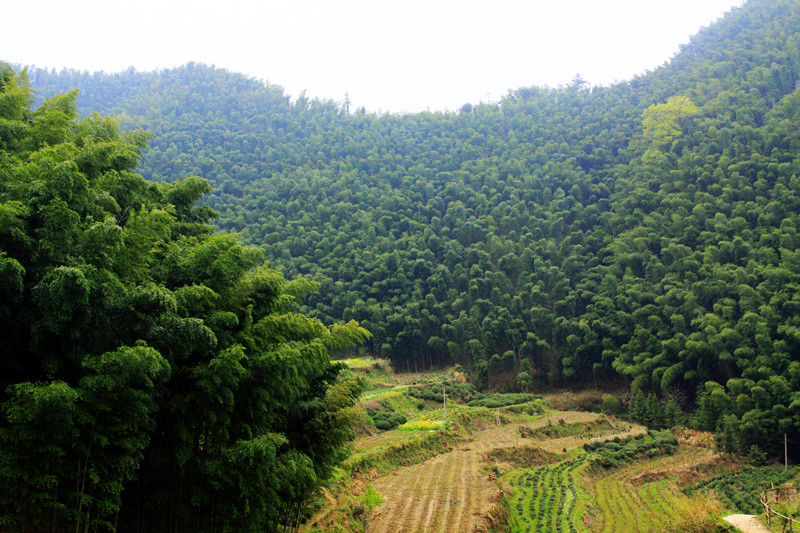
point(516, 468)
point(643, 496)
point(438, 495)
point(453, 491)
point(547, 498)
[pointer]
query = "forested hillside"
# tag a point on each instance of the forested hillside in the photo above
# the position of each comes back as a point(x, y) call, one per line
point(646, 231)
point(153, 376)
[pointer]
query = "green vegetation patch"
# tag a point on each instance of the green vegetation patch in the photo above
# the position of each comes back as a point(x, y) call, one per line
point(548, 498)
point(741, 491)
point(384, 392)
point(454, 390)
point(610, 454)
point(562, 429)
point(389, 409)
point(494, 401)
point(418, 448)
point(536, 407)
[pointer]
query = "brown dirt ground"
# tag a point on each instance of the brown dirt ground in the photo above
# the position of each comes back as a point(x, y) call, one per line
point(747, 523)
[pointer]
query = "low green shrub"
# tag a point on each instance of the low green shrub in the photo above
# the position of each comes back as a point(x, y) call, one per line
point(455, 390)
point(610, 454)
point(562, 429)
point(494, 401)
point(386, 420)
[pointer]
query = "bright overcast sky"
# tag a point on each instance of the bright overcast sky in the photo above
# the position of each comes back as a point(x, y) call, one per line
point(388, 55)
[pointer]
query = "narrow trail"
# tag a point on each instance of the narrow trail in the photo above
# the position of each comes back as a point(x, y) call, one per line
point(746, 523)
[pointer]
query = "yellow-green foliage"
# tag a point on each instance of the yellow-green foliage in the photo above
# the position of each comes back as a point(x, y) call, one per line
point(423, 424)
point(696, 516)
point(357, 362)
point(387, 392)
point(361, 363)
point(370, 499)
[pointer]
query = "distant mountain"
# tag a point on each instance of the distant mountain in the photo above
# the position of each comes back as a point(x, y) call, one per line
point(647, 231)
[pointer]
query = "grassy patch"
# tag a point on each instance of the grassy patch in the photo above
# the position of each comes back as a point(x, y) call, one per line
point(386, 391)
point(644, 494)
point(420, 447)
point(698, 516)
point(521, 456)
point(494, 401)
point(432, 390)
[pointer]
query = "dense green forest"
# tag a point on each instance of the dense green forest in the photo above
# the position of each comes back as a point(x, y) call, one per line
point(154, 376)
point(645, 232)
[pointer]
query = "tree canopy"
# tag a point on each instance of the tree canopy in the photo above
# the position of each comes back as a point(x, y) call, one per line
point(153, 375)
point(644, 232)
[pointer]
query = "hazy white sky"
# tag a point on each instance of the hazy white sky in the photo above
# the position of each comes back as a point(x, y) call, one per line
point(388, 55)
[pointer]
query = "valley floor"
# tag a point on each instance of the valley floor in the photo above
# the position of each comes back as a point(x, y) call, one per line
point(524, 468)
point(452, 491)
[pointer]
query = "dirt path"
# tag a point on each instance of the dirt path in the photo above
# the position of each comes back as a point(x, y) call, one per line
point(746, 523)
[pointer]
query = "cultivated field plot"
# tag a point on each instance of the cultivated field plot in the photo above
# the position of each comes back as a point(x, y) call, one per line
point(554, 497)
point(643, 496)
point(452, 491)
point(442, 494)
point(381, 439)
point(547, 498)
point(517, 468)
point(636, 498)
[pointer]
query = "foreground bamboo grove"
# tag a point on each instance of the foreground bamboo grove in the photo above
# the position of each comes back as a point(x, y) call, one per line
point(154, 376)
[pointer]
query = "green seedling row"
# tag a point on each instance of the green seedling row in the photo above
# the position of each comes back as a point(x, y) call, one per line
point(546, 498)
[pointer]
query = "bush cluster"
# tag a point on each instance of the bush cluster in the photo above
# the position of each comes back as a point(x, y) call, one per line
point(455, 390)
point(562, 429)
point(741, 491)
point(494, 401)
point(385, 417)
point(655, 413)
point(610, 453)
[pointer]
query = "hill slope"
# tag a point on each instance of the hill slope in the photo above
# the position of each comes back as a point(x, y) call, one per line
point(645, 231)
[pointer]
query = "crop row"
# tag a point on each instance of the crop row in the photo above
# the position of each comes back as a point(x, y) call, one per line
point(545, 498)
